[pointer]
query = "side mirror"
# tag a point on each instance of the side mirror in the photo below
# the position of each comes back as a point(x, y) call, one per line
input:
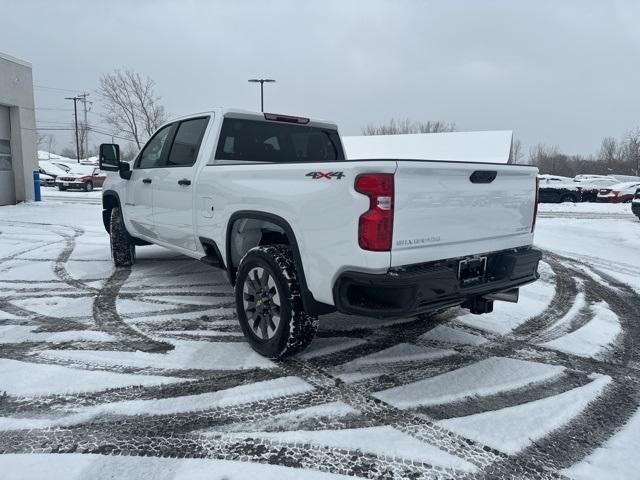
point(125, 170)
point(109, 157)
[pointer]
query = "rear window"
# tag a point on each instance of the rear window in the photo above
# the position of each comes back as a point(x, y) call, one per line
point(258, 141)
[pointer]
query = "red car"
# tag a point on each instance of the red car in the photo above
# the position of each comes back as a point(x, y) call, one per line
point(618, 193)
point(83, 177)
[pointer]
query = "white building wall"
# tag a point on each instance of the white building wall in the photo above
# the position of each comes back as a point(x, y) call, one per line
point(16, 95)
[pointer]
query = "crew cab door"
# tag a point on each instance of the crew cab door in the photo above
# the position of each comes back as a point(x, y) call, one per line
point(146, 171)
point(173, 199)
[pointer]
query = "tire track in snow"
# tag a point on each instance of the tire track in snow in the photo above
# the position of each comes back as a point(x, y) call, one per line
point(173, 435)
point(107, 319)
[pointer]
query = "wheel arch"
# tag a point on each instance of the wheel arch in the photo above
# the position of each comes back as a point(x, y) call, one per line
point(311, 305)
point(110, 200)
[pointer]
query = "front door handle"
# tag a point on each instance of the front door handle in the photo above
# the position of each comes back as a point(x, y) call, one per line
point(184, 181)
point(146, 180)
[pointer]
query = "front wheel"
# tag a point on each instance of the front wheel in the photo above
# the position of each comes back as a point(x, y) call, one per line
point(268, 302)
point(88, 186)
point(123, 250)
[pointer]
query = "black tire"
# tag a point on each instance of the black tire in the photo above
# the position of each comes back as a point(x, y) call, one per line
point(123, 249)
point(61, 188)
point(88, 186)
point(568, 198)
point(295, 329)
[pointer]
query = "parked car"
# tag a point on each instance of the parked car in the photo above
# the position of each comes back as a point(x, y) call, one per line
point(81, 176)
point(635, 204)
point(302, 231)
point(582, 178)
point(50, 168)
point(590, 187)
point(557, 189)
point(63, 166)
point(46, 180)
point(618, 193)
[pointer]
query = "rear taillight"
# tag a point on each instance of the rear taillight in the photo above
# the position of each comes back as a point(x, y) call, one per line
point(535, 207)
point(375, 228)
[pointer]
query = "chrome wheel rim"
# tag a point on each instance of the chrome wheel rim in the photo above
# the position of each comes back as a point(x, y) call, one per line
point(261, 301)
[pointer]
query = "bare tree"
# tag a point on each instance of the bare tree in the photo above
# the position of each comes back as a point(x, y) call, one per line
point(70, 152)
point(83, 132)
point(45, 141)
point(515, 156)
point(609, 151)
point(131, 106)
point(630, 151)
point(396, 127)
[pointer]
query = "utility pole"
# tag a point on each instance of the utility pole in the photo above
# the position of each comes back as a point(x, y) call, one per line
point(85, 126)
point(75, 116)
point(262, 81)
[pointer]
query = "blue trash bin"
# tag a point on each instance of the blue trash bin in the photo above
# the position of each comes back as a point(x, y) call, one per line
point(36, 186)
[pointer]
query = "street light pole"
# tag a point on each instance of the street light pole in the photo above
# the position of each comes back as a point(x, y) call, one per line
point(262, 81)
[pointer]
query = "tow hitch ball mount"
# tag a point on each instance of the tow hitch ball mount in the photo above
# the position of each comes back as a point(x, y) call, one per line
point(484, 304)
point(478, 305)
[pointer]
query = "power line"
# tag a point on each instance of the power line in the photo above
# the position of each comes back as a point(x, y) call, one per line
point(45, 87)
point(55, 109)
point(70, 129)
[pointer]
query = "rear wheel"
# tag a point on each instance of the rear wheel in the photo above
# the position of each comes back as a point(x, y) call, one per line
point(568, 198)
point(268, 302)
point(123, 249)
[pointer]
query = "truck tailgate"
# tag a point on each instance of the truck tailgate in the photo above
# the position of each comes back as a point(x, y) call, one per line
point(447, 210)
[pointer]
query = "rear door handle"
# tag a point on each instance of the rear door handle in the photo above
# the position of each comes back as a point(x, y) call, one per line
point(146, 180)
point(184, 181)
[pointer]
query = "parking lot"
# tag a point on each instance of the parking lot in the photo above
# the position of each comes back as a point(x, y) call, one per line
point(146, 369)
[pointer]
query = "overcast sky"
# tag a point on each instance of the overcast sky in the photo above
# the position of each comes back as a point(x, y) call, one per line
point(564, 73)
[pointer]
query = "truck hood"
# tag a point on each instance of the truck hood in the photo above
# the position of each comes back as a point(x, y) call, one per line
point(483, 147)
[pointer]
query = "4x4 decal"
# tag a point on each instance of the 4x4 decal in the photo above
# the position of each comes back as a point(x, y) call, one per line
point(327, 175)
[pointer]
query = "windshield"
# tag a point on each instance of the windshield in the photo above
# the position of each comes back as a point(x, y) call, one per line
point(262, 141)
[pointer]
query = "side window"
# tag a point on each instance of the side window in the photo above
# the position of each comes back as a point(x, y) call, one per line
point(152, 153)
point(186, 143)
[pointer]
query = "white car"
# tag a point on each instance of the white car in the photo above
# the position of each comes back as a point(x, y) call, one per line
point(50, 168)
point(618, 193)
point(303, 232)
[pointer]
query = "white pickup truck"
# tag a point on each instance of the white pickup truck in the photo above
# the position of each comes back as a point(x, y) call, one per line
point(301, 231)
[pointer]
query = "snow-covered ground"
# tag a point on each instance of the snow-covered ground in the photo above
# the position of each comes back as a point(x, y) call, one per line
point(122, 374)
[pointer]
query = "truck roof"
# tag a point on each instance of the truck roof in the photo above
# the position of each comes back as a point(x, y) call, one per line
point(253, 115)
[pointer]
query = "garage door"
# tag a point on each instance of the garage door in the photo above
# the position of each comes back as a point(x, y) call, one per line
point(7, 190)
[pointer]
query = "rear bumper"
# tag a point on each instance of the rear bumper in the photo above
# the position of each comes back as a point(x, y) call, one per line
point(423, 287)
